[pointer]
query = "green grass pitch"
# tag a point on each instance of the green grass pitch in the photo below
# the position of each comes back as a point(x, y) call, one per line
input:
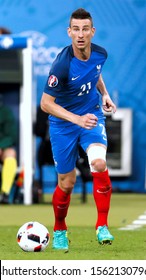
point(125, 208)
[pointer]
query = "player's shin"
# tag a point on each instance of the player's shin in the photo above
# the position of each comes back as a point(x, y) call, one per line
point(61, 201)
point(102, 194)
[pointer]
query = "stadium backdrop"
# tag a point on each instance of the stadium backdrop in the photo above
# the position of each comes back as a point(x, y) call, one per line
point(120, 28)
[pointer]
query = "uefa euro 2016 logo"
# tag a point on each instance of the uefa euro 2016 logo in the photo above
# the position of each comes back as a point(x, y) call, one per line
point(53, 81)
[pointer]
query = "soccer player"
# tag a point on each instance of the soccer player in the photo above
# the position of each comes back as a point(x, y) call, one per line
point(74, 95)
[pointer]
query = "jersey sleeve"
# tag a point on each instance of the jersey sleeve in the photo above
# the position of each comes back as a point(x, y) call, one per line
point(58, 75)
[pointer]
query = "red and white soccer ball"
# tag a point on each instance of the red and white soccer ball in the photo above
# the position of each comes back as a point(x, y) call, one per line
point(33, 237)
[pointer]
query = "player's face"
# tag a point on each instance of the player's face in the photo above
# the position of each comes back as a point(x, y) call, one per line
point(81, 32)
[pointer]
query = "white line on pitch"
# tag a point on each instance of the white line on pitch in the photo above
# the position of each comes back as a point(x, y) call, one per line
point(136, 223)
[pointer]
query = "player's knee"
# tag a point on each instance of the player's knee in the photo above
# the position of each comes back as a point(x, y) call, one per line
point(99, 165)
point(97, 158)
point(67, 183)
point(9, 152)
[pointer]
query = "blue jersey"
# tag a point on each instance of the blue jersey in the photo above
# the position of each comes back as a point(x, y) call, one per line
point(73, 82)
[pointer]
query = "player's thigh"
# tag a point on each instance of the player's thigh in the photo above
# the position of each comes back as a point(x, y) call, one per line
point(95, 135)
point(64, 143)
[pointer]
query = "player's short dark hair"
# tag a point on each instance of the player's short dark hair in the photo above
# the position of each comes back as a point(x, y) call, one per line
point(81, 14)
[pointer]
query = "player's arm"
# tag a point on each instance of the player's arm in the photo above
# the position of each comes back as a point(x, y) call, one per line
point(107, 103)
point(49, 106)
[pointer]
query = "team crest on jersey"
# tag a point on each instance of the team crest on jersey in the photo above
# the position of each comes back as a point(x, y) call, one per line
point(53, 81)
point(98, 67)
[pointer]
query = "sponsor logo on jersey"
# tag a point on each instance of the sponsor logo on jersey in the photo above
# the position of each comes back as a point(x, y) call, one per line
point(53, 81)
point(74, 78)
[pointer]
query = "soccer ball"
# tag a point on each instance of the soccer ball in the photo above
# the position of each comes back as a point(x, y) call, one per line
point(33, 237)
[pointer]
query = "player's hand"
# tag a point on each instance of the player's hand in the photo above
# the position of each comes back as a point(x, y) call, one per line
point(107, 104)
point(88, 121)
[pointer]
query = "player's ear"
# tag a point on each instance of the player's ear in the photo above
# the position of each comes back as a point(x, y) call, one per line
point(93, 31)
point(69, 31)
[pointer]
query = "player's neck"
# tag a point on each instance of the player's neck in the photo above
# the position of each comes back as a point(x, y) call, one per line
point(82, 54)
